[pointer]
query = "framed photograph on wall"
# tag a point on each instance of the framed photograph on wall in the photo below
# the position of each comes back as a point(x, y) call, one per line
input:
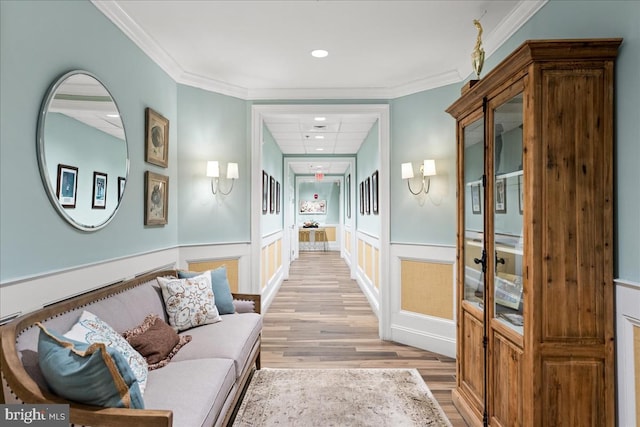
point(501, 195)
point(277, 197)
point(156, 148)
point(99, 200)
point(313, 207)
point(272, 195)
point(347, 195)
point(367, 195)
point(121, 183)
point(374, 192)
point(156, 198)
point(362, 198)
point(67, 185)
point(265, 192)
point(476, 204)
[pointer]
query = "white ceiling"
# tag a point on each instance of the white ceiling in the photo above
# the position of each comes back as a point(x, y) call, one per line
point(260, 49)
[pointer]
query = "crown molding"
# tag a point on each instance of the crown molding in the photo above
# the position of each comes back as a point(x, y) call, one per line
point(443, 79)
point(505, 29)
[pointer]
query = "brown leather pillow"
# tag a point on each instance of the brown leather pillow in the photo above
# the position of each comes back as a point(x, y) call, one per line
point(156, 341)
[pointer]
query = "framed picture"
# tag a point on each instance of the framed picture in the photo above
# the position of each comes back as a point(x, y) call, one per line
point(272, 195)
point(374, 192)
point(476, 204)
point(362, 198)
point(67, 185)
point(121, 183)
point(313, 207)
point(520, 193)
point(99, 200)
point(156, 148)
point(277, 197)
point(347, 193)
point(501, 195)
point(265, 192)
point(367, 196)
point(156, 198)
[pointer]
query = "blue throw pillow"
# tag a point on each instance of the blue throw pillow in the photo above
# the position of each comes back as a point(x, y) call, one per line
point(220, 287)
point(93, 374)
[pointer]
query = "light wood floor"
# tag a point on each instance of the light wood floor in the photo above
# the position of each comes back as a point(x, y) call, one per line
point(321, 319)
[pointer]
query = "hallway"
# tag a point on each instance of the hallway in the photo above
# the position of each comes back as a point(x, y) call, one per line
point(321, 319)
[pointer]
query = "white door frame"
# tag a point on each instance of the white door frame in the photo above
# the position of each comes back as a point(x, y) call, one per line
point(381, 111)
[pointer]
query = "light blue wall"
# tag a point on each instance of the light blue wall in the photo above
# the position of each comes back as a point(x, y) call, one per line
point(272, 164)
point(367, 162)
point(39, 41)
point(421, 129)
point(212, 127)
point(328, 190)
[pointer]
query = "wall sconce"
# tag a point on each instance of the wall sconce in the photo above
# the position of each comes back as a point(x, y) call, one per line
point(213, 171)
point(428, 168)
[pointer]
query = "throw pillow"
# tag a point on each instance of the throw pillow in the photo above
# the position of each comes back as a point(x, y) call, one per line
point(156, 341)
point(93, 374)
point(189, 302)
point(220, 286)
point(244, 306)
point(91, 329)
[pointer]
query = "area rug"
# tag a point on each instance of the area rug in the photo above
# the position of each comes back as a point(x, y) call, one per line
point(339, 398)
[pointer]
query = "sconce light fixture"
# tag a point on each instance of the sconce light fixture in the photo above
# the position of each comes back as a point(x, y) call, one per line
point(428, 169)
point(213, 171)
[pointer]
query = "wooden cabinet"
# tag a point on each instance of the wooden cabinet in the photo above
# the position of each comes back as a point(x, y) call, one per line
point(534, 245)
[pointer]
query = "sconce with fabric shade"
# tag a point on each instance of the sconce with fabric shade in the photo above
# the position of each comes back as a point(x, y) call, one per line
point(428, 168)
point(213, 171)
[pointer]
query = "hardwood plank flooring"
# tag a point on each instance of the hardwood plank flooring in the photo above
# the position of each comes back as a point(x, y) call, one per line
point(321, 319)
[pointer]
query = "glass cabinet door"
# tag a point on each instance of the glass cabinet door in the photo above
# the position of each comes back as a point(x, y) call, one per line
point(508, 213)
point(474, 213)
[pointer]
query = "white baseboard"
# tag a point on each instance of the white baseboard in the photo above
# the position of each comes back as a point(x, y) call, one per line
point(271, 290)
point(424, 340)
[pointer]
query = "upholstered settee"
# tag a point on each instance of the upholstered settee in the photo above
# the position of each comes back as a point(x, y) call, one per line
point(201, 385)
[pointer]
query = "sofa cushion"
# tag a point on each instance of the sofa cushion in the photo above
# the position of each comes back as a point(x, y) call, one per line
point(156, 341)
point(220, 287)
point(91, 329)
point(189, 302)
point(93, 374)
point(233, 338)
point(195, 390)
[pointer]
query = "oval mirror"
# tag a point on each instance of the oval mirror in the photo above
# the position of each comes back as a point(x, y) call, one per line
point(82, 150)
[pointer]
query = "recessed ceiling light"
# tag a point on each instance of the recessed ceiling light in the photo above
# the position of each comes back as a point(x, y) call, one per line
point(113, 115)
point(319, 53)
point(320, 119)
point(319, 137)
point(319, 149)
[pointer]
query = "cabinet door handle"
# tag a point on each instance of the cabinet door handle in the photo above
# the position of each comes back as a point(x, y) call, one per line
point(482, 261)
point(499, 260)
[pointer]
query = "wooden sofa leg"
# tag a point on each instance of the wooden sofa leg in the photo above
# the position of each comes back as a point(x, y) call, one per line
point(258, 362)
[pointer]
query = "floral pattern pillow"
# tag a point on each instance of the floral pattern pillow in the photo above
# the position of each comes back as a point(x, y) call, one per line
point(91, 329)
point(189, 302)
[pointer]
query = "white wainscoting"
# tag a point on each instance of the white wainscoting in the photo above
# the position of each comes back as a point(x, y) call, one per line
point(418, 330)
point(272, 283)
point(627, 318)
point(240, 251)
point(365, 281)
point(29, 294)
